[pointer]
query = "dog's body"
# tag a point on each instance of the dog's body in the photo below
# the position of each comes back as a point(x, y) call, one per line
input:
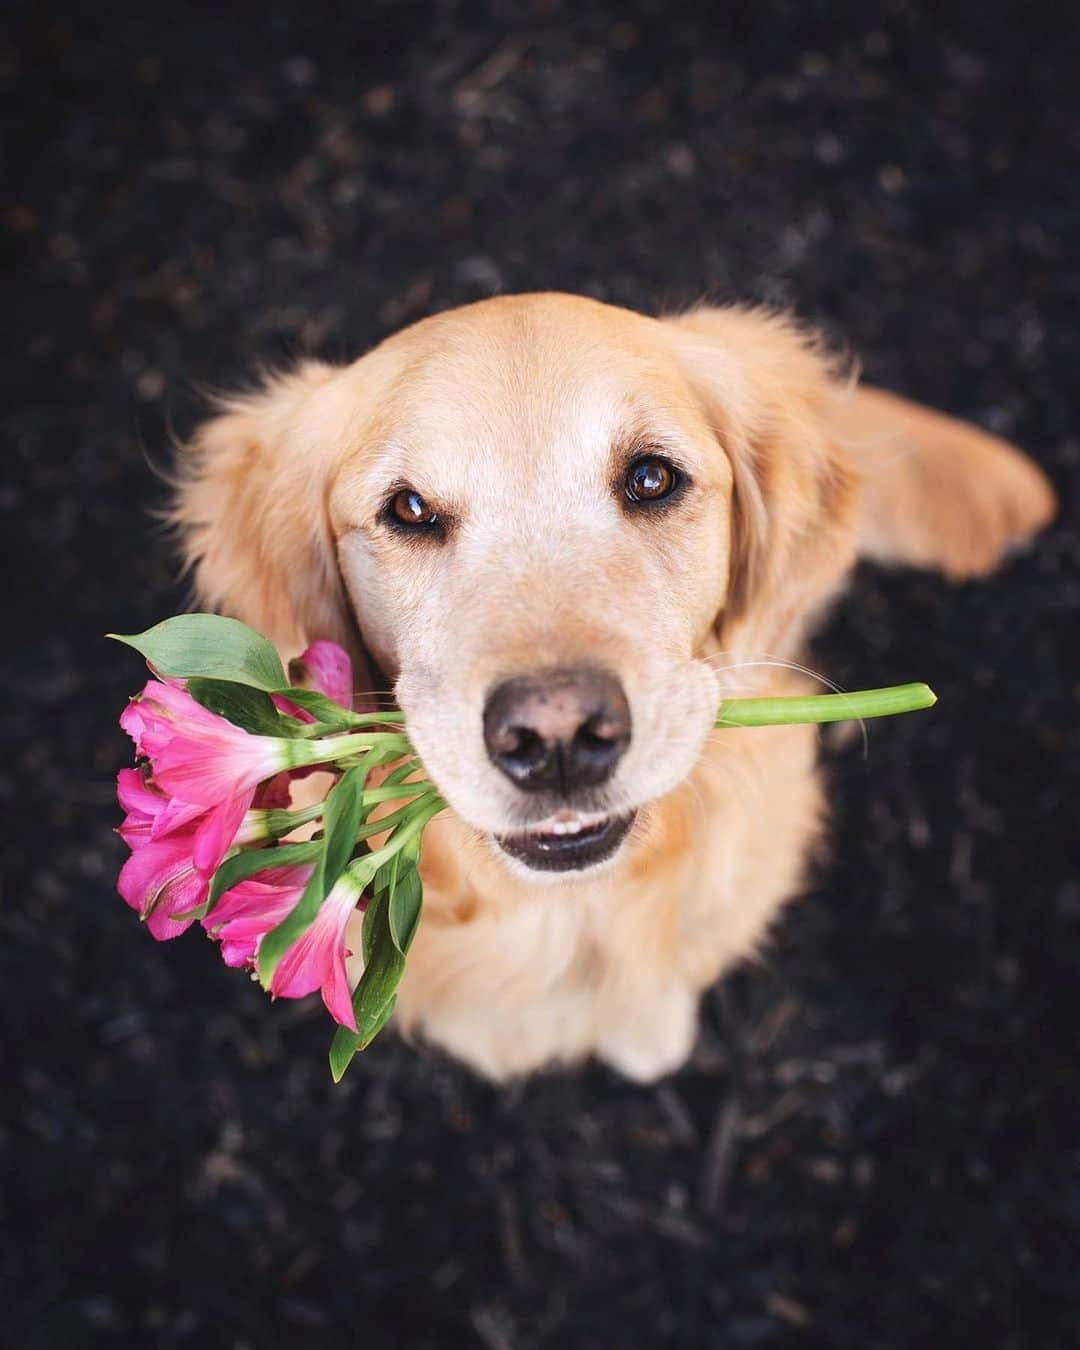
point(565, 531)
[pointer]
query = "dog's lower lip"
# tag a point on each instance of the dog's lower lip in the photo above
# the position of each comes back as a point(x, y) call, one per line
point(565, 848)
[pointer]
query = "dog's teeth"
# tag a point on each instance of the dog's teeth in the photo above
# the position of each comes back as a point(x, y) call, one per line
point(573, 825)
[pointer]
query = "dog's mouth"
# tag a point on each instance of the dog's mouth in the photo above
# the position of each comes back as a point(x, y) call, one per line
point(567, 841)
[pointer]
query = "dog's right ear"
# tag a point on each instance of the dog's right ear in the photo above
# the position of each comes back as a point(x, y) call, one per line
point(936, 492)
point(250, 512)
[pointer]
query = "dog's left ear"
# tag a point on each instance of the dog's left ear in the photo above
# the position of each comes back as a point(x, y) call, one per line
point(250, 512)
point(766, 388)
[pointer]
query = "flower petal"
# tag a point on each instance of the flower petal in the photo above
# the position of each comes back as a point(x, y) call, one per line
point(135, 794)
point(216, 833)
point(196, 755)
point(150, 811)
point(158, 881)
point(247, 912)
point(316, 960)
point(326, 667)
point(175, 815)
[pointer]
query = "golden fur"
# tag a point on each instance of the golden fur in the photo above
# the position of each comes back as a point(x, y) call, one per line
point(512, 414)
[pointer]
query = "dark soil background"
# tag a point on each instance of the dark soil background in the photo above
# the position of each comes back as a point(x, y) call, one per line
point(877, 1141)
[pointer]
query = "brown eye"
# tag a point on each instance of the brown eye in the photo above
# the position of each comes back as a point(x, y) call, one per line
point(650, 480)
point(409, 509)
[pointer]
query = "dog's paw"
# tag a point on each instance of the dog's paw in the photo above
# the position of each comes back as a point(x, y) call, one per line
point(658, 1040)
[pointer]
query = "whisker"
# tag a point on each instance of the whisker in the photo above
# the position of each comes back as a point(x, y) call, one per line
point(700, 804)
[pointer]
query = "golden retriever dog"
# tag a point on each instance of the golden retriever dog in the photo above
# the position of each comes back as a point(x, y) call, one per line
point(563, 532)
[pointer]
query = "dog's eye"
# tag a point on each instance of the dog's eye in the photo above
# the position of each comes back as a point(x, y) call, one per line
point(650, 480)
point(407, 508)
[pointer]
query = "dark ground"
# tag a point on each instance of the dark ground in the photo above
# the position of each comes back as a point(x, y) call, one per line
point(877, 1143)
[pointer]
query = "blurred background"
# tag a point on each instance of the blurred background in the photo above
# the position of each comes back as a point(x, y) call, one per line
point(877, 1142)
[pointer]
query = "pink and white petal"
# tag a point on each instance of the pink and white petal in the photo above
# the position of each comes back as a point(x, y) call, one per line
point(289, 708)
point(164, 927)
point(317, 957)
point(134, 721)
point(173, 702)
point(135, 794)
point(239, 952)
point(247, 912)
point(216, 833)
point(175, 815)
point(197, 770)
point(158, 883)
point(149, 870)
point(336, 994)
point(276, 886)
point(197, 755)
point(240, 937)
point(149, 811)
point(325, 666)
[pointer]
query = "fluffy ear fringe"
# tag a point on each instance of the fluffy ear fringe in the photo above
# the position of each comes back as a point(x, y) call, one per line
point(250, 515)
point(766, 387)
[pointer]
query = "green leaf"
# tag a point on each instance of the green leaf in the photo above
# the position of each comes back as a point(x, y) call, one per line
point(341, 820)
point(346, 1043)
point(406, 901)
point(246, 863)
point(390, 925)
point(379, 1022)
point(342, 1049)
point(374, 996)
point(374, 917)
point(252, 709)
point(376, 988)
point(211, 646)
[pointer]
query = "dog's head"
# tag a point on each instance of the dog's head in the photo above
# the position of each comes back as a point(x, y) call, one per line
point(540, 516)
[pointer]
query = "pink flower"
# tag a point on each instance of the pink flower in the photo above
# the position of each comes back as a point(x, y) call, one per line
point(325, 667)
point(247, 912)
point(174, 851)
point(316, 960)
point(197, 756)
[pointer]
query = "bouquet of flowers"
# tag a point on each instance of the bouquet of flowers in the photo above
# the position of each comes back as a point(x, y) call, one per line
point(221, 733)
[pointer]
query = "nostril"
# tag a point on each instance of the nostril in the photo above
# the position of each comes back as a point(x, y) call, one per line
point(597, 746)
point(523, 748)
point(602, 729)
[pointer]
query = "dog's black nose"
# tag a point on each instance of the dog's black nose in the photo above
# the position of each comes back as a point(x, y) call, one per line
point(557, 730)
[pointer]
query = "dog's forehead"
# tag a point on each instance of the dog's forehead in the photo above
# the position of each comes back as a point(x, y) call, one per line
point(515, 386)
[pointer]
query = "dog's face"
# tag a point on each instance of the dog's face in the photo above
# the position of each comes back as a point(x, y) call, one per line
point(535, 538)
point(539, 514)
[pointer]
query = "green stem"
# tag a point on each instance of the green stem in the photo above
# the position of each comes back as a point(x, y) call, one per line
point(373, 718)
point(349, 722)
point(367, 864)
point(275, 822)
point(388, 792)
point(402, 772)
point(389, 822)
point(261, 823)
point(331, 749)
point(767, 712)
